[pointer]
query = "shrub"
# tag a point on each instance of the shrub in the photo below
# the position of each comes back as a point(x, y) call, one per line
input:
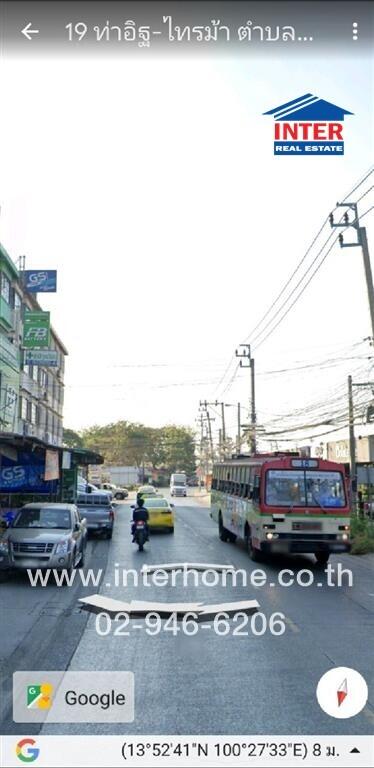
point(362, 534)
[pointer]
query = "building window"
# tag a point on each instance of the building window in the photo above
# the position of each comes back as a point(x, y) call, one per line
point(35, 372)
point(5, 288)
point(33, 413)
point(28, 411)
point(23, 408)
point(17, 301)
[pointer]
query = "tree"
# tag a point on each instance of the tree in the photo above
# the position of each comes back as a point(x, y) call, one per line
point(179, 447)
point(71, 439)
point(132, 444)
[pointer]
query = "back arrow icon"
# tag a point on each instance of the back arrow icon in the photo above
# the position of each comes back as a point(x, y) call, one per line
point(28, 32)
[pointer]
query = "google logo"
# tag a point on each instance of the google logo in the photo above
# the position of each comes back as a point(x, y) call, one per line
point(30, 754)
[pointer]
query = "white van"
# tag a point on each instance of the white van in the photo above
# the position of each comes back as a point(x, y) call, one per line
point(178, 484)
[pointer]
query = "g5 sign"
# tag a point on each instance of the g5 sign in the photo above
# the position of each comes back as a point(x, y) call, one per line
point(40, 281)
point(12, 476)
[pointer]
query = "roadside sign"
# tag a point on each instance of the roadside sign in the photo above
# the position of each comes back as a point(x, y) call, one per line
point(69, 479)
point(52, 469)
point(40, 281)
point(36, 328)
point(45, 357)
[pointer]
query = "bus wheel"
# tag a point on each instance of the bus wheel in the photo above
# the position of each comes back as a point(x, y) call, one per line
point(255, 554)
point(224, 534)
point(322, 558)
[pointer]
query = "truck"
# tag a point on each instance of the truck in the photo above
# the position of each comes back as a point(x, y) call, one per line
point(178, 484)
point(98, 510)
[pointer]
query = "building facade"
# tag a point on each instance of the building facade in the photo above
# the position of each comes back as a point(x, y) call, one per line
point(31, 397)
point(9, 351)
point(339, 450)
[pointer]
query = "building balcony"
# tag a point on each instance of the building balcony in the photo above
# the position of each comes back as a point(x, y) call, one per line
point(9, 353)
point(29, 385)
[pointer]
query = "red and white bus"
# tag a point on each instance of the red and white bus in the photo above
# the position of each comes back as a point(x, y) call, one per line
point(282, 503)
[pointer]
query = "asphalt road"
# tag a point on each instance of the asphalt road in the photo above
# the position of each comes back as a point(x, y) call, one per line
point(204, 683)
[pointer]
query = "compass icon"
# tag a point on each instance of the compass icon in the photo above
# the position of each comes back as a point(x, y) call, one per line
point(342, 692)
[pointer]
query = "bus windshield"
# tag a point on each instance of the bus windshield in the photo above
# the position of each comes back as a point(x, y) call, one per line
point(303, 488)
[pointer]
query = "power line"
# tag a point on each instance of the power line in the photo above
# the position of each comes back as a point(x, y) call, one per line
point(359, 183)
point(299, 294)
point(303, 258)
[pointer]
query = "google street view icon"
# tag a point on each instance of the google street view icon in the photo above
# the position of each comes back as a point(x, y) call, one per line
point(308, 125)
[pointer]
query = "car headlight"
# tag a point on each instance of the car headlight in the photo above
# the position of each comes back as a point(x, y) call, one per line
point(63, 547)
point(4, 548)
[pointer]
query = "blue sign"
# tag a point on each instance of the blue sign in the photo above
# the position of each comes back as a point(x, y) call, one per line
point(40, 281)
point(25, 475)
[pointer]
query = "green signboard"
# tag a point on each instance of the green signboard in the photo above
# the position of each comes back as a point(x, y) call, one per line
point(36, 329)
point(69, 479)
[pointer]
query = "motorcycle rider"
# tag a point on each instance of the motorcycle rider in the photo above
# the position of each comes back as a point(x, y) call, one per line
point(140, 513)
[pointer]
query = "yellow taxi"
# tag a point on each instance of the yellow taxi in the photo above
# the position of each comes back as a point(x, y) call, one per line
point(161, 514)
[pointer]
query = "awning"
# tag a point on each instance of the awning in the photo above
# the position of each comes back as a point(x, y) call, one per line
point(11, 441)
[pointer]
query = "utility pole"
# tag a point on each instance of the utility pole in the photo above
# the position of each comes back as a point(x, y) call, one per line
point(363, 242)
point(210, 436)
point(204, 404)
point(352, 441)
point(253, 404)
point(202, 456)
point(223, 426)
point(238, 437)
point(246, 354)
point(352, 444)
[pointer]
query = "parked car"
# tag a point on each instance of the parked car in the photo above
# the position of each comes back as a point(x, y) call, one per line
point(84, 486)
point(98, 510)
point(193, 481)
point(46, 535)
point(117, 493)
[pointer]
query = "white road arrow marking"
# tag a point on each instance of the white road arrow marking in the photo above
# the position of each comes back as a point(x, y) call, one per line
point(28, 32)
point(187, 566)
point(101, 603)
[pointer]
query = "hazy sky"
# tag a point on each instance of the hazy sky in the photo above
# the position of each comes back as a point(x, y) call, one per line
point(152, 187)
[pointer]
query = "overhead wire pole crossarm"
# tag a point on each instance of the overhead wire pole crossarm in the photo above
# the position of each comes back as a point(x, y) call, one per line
point(245, 354)
point(361, 241)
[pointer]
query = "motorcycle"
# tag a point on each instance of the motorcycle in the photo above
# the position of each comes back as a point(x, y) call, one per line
point(140, 534)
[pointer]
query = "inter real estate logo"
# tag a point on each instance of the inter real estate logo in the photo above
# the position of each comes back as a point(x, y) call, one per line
point(308, 126)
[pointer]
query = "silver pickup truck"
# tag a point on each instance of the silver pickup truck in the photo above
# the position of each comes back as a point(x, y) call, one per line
point(98, 510)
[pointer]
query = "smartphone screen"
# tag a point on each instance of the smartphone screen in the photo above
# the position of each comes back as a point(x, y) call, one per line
point(187, 383)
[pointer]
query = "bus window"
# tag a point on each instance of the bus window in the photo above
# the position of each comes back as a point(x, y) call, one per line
point(255, 488)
